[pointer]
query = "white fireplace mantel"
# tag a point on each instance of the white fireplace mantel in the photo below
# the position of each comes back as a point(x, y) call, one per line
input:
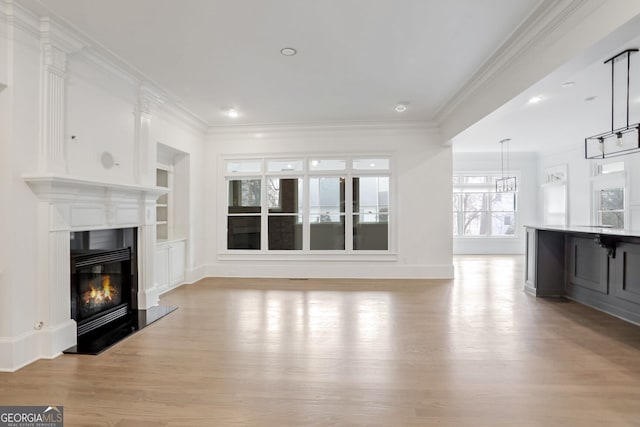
point(50, 187)
point(77, 204)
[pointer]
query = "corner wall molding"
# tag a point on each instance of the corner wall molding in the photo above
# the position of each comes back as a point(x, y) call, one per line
point(20, 17)
point(72, 40)
point(267, 128)
point(535, 28)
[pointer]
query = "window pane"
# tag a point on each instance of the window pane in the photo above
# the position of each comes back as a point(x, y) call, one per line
point(243, 232)
point(285, 232)
point(244, 166)
point(606, 168)
point(455, 223)
point(369, 235)
point(475, 224)
point(326, 196)
point(244, 196)
point(456, 180)
point(473, 201)
point(456, 202)
point(327, 165)
point(612, 199)
point(474, 179)
point(371, 164)
point(503, 201)
point(327, 234)
point(503, 224)
point(284, 165)
point(613, 219)
point(284, 195)
point(371, 195)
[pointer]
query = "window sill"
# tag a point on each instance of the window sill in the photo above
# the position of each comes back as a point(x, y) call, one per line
point(377, 256)
point(486, 237)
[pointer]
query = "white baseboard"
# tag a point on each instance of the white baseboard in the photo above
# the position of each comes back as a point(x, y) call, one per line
point(195, 274)
point(18, 352)
point(332, 271)
point(148, 298)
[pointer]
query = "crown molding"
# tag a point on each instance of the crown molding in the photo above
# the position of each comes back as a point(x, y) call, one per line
point(36, 18)
point(53, 34)
point(536, 27)
point(20, 17)
point(271, 128)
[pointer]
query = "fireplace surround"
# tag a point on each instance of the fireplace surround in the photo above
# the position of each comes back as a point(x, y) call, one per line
point(70, 205)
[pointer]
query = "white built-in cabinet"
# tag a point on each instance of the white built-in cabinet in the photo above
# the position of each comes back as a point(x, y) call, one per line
point(170, 264)
point(172, 215)
point(163, 214)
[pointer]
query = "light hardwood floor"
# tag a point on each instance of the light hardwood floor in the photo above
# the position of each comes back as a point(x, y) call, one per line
point(476, 351)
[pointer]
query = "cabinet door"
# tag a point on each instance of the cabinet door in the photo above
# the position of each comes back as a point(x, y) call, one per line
point(627, 272)
point(162, 267)
point(176, 263)
point(530, 266)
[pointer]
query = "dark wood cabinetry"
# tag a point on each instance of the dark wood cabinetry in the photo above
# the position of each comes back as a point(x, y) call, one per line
point(601, 270)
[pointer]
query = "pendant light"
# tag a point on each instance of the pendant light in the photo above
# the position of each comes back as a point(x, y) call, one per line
point(617, 141)
point(505, 184)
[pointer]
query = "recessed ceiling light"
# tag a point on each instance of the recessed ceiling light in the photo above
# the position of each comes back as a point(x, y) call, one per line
point(590, 98)
point(230, 112)
point(568, 84)
point(288, 51)
point(535, 100)
point(401, 107)
point(372, 165)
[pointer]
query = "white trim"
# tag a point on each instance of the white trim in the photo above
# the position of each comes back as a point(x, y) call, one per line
point(534, 29)
point(268, 129)
point(332, 270)
point(305, 174)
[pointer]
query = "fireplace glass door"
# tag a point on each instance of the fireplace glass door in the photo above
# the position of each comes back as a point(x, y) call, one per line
point(100, 288)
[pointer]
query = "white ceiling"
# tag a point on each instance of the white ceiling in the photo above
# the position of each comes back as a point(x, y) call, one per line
point(356, 59)
point(564, 118)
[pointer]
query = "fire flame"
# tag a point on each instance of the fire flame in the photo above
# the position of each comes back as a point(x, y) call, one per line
point(100, 295)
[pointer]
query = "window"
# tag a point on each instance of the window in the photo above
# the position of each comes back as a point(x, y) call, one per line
point(370, 212)
point(554, 195)
point(478, 211)
point(301, 204)
point(611, 207)
point(609, 188)
point(243, 222)
point(285, 208)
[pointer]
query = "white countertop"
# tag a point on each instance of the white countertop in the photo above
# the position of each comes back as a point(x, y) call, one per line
point(587, 229)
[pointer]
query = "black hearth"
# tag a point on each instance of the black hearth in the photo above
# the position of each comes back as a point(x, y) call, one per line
point(104, 289)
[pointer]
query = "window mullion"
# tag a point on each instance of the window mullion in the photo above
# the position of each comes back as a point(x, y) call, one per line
point(348, 212)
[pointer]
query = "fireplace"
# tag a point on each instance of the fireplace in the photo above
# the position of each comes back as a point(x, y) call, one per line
point(103, 286)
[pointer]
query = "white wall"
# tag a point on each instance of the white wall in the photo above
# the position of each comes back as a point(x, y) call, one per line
point(169, 131)
point(100, 115)
point(580, 187)
point(526, 164)
point(19, 304)
point(423, 188)
point(99, 107)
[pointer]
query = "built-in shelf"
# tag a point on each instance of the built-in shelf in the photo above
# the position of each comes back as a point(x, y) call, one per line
point(163, 179)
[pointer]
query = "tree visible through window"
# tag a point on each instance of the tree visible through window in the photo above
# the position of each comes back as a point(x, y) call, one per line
point(611, 207)
point(479, 211)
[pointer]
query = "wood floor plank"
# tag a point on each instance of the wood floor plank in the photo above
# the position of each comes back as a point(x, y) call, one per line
point(474, 351)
